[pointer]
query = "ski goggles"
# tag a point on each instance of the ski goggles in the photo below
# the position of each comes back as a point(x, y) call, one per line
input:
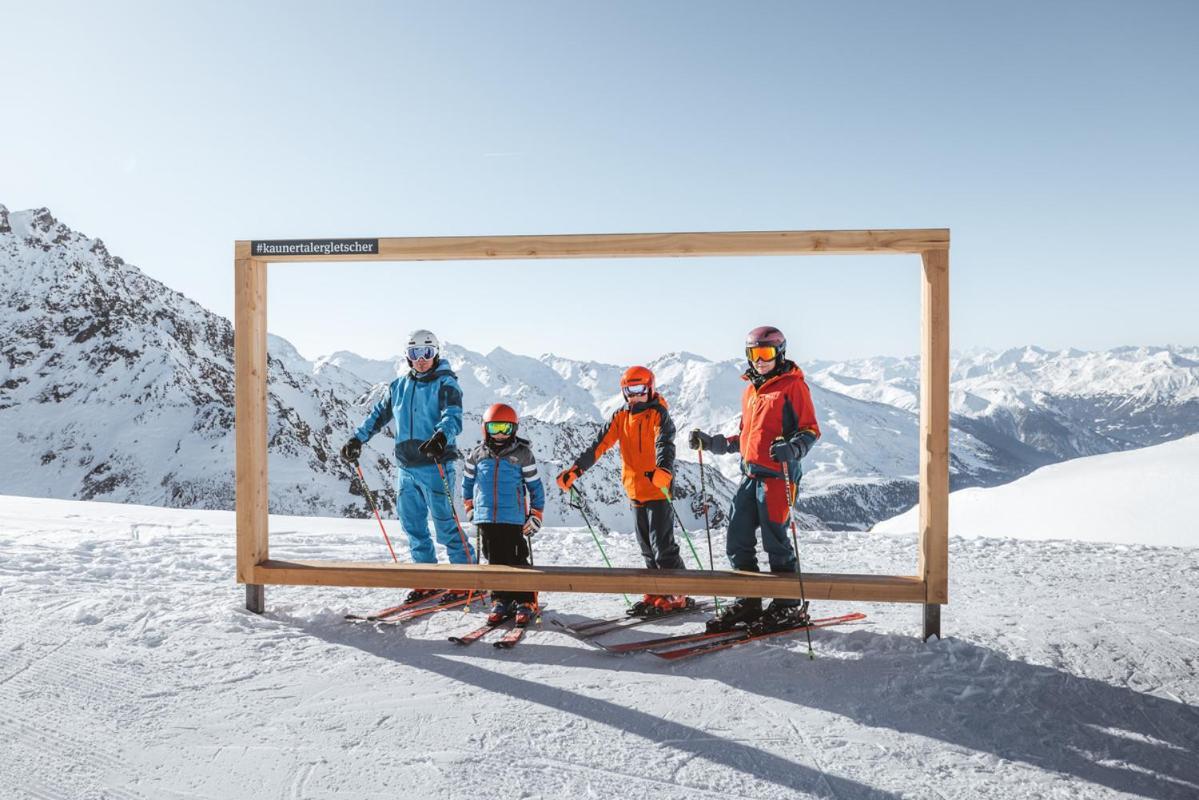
point(421, 352)
point(499, 428)
point(635, 390)
point(763, 353)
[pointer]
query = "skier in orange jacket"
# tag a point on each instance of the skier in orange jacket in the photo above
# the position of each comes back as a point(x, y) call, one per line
point(645, 433)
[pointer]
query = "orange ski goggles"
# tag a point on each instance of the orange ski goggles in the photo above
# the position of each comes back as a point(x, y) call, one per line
point(763, 353)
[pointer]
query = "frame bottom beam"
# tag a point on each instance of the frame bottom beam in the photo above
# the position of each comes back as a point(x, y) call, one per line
point(726, 583)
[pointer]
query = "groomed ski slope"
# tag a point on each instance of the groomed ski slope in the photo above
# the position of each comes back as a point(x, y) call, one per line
point(128, 669)
point(1146, 496)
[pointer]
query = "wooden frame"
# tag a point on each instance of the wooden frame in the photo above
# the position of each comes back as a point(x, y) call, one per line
point(929, 586)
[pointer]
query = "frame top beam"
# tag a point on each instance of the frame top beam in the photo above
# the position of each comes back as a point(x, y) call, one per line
point(632, 245)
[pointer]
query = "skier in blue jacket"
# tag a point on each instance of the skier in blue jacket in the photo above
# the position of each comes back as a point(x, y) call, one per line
point(425, 407)
point(504, 497)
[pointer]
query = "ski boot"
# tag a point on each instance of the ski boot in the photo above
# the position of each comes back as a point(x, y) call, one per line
point(416, 595)
point(525, 613)
point(668, 603)
point(780, 615)
point(500, 611)
point(740, 614)
point(645, 607)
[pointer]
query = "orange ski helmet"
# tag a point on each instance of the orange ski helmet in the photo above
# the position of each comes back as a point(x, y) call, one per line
point(637, 376)
point(497, 416)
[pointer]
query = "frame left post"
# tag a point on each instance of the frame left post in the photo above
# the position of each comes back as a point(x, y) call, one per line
point(250, 396)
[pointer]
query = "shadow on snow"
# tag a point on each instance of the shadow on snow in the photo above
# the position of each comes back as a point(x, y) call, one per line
point(953, 691)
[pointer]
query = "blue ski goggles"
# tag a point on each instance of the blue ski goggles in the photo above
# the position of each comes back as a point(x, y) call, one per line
point(421, 352)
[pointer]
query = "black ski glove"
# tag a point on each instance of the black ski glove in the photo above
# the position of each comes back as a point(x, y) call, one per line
point(781, 450)
point(698, 439)
point(352, 449)
point(434, 447)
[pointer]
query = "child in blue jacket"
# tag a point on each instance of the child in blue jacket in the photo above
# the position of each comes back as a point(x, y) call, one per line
point(504, 497)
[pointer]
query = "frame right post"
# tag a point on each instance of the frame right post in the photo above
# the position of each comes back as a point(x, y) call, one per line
point(934, 437)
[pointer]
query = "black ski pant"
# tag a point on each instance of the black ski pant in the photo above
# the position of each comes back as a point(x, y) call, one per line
point(655, 534)
point(506, 544)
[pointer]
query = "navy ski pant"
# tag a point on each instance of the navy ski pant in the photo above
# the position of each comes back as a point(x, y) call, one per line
point(761, 504)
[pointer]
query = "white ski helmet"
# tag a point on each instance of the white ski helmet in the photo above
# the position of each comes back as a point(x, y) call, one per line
point(424, 338)
point(422, 344)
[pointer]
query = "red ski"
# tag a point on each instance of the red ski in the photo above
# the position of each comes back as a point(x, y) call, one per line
point(598, 627)
point(479, 632)
point(388, 612)
point(433, 609)
point(684, 638)
point(514, 635)
point(734, 638)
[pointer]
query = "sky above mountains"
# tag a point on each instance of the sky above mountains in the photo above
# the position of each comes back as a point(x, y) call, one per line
point(1056, 143)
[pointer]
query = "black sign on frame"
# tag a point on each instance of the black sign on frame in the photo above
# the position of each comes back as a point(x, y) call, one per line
point(314, 247)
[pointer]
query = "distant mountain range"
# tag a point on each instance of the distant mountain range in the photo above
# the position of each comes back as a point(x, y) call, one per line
point(114, 387)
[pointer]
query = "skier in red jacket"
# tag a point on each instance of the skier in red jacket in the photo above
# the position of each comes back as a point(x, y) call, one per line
point(778, 426)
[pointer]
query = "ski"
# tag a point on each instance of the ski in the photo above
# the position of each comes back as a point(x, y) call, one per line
point(587, 630)
point(479, 632)
point(580, 627)
point(388, 612)
point(683, 638)
point(662, 641)
point(734, 638)
point(509, 639)
point(423, 610)
point(591, 624)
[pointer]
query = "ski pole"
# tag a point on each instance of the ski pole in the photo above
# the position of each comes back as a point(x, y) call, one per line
point(370, 498)
point(449, 497)
point(574, 494)
point(795, 542)
point(703, 496)
point(686, 536)
point(536, 595)
point(675, 514)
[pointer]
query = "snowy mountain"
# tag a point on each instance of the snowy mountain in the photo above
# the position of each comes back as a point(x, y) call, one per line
point(129, 669)
point(865, 467)
point(1145, 496)
point(1060, 404)
point(114, 387)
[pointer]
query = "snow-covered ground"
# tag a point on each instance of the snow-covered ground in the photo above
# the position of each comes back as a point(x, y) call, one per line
point(1145, 496)
point(129, 669)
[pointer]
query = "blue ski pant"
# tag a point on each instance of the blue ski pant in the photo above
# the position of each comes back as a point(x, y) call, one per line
point(422, 494)
point(761, 504)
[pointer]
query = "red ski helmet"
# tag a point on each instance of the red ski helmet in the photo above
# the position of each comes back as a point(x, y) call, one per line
point(637, 376)
point(500, 413)
point(766, 336)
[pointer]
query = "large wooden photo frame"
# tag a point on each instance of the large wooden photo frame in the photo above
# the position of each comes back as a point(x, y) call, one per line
point(256, 569)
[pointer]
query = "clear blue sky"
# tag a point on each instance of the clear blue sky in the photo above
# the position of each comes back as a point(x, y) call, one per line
point(1059, 142)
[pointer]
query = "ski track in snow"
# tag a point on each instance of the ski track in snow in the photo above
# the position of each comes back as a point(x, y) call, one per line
point(129, 669)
